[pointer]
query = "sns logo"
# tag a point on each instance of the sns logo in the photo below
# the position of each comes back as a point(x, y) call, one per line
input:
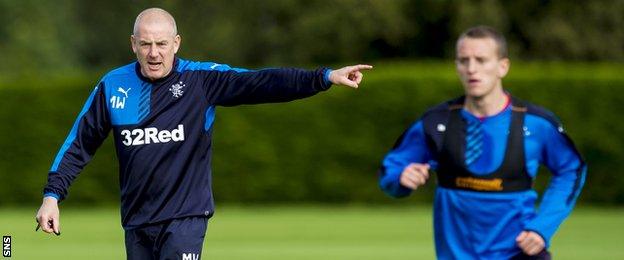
point(119, 102)
point(190, 256)
point(151, 135)
point(6, 246)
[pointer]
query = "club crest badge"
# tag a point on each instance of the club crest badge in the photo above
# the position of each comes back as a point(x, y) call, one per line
point(176, 89)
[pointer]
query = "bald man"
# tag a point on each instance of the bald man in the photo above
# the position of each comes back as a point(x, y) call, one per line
point(161, 110)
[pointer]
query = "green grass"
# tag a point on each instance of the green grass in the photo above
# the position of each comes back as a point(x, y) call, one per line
point(298, 232)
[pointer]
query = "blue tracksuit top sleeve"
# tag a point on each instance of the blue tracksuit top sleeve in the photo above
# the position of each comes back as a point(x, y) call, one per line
point(411, 147)
point(568, 176)
point(86, 135)
point(231, 87)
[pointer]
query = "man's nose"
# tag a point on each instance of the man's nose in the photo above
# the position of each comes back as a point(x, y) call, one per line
point(472, 66)
point(153, 52)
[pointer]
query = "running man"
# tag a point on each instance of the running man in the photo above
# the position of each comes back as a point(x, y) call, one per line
point(485, 148)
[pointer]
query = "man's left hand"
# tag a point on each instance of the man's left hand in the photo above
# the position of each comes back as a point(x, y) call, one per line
point(348, 76)
point(530, 242)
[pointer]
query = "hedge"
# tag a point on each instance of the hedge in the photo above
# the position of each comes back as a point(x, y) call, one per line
point(323, 149)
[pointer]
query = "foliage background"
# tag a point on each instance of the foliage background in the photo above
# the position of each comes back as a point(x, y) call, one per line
point(566, 56)
point(77, 35)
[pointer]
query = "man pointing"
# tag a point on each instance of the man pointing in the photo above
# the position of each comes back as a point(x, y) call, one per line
point(161, 110)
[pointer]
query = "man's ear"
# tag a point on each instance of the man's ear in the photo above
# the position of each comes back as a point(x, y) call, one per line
point(176, 43)
point(134, 48)
point(503, 67)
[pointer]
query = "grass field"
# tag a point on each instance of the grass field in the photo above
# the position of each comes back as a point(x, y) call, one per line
point(299, 232)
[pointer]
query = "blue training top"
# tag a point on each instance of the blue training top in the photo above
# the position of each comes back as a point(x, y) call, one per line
point(484, 225)
point(163, 132)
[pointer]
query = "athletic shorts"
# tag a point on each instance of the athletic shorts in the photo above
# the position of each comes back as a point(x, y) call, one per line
point(173, 239)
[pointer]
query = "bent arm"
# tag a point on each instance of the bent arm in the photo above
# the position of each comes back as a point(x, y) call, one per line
point(87, 134)
point(411, 147)
point(568, 177)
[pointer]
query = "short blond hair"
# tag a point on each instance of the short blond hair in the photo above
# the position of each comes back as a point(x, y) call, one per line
point(482, 31)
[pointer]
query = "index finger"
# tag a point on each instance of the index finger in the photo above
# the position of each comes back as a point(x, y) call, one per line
point(360, 67)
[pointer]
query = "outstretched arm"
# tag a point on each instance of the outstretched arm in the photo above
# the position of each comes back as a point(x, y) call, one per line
point(230, 88)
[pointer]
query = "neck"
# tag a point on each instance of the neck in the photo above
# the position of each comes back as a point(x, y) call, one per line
point(487, 105)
